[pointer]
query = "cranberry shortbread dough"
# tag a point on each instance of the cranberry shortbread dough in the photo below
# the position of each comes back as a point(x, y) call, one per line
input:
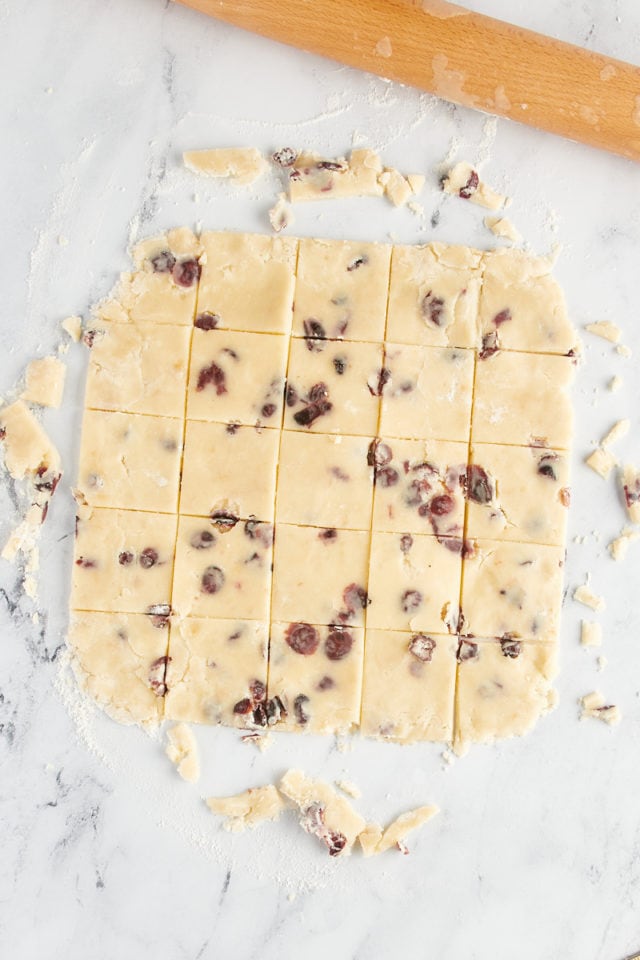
point(312, 474)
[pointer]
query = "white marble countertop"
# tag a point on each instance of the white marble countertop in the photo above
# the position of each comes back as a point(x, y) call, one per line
point(105, 853)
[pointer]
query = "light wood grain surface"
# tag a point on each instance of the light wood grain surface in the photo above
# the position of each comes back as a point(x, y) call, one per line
point(463, 57)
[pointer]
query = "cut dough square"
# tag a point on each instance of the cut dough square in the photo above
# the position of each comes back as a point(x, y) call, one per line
point(217, 670)
point(130, 462)
point(523, 398)
point(333, 387)
point(163, 287)
point(121, 659)
point(513, 590)
point(433, 295)
point(341, 289)
point(409, 686)
point(223, 570)
point(316, 671)
point(325, 481)
point(44, 382)
point(428, 393)
point(319, 576)
point(419, 486)
point(123, 561)
point(518, 493)
point(502, 689)
point(138, 368)
point(229, 470)
point(247, 281)
point(237, 377)
point(523, 304)
point(414, 588)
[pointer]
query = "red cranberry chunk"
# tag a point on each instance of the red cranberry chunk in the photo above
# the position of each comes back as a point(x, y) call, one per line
point(432, 308)
point(510, 648)
point(380, 383)
point(86, 563)
point(223, 521)
point(258, 690)
point(299, 709)
point(158, 676)
point(212, 580)
point(411, 600)
point(336, 842)
point(329, 534)
point(186, 272)
point(148, 558)
point(202, 539)
point(503, 317)
point(163, 262)
point(326, 683)
point(339, 365)
point(467, 650)
point(312, 412)
point(478, 485)
point(355, 598)
point(302, 638)
point(379, 454)
point(212, 375)
point(338, 643)
point(442, 505)
point(490, 345)
point(386, 477)
point(470, 186)
point(268, 410)
point(422, 647)
point(243, 707)
point(357, 262)
point(285, 156)
point(406, 542)
point(545, 466)
point(125, 558)
point(207, 320)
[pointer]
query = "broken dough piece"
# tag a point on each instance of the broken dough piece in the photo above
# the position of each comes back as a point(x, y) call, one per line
point(394, 835)
point(315, 178)
point(503, 228)
point(618, 430)
point(601, 462)
point(323, 813)
point(182, 750)
point(242, 164)
point(618, 547)
point(463, 181)
point(630, 482)
point(45, 382)
point(280, 214)
point(398, 188)
point(248, 809)
point(590, 634)
point(595, 707)
point(73, 326)
point(605, 329)
point(583, 595)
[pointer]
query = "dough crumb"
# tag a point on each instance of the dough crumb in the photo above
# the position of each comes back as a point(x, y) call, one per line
point(594, 706)
point(605, 329)
point(351, 789)
point(583, 595)
point(624, 351)
point(374, 840)
point(615, 383)
point(73, 326)
point(618, 430)
point(45, 382)
point(248, 809)
point(601, 663)
point(463, 181)
point(601, 462)
point(182, 750)
point(630, 484)
point(503, 228)
point(280, 214)
point(242, 164)
point(322, 812)
point(590, 634)
point(416, 182)
point(263, 741)
point(396, 187)
point(618, 547)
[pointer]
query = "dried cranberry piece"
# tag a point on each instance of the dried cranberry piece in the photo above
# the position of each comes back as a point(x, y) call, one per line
point(223, 521)
point(275, 710)
point(330, 165)
point(258, 690)
point(259, 530)
point(339, 365)
point(338, 643)
point(268, 410)
point(442, 505)
point(159, 614)
point(163, 262)
point(411, 600)
point(148, 558)
point(382, 379)
point(432, 308)
point(243, 707)
point(302, 638)
point(510, 648)
point(467, 650)
point(318, 393)
point(314, 329)
point(284, 157)
point(329, 534)
point(212, 580)
point(88, 338)
point(490, 345)
point(125, 558)
point(232, 427)
point(207, 320)
point(158, 676)
point(260, 717)
point(85, 562)
point(291, 395)
point(357, 262)
point(214, 375)
point(406, 542)
point(386, 477)
point(355, 598)
point(326, 683)
point(202, 539)
point(186, 273)
point(310, 413)
point(336, 842)
point(545, 466)
point(503, 317)
point(46, 481)
point(478, 486)
point(470, 186)
point(422, 647)
point(298, 709)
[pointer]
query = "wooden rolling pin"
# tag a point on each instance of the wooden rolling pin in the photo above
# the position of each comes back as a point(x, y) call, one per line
point(461, 56)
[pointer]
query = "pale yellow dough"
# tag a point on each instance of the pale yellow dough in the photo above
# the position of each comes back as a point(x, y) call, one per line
point(182, 750)
point(461, 183)
point(248, 809)
point(395, 834)
point(242, 164)
point(323, 812)
point(314, 178)
point(27, 448)
point(596, 707)
point(630, 485)
point(45, 382)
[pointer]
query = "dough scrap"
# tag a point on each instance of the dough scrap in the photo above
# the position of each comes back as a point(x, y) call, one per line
point(242, 164)
point(503, 228)
point(463, 181)
point(595, 706)
point(618, 547)
point(601, 462)
point(323, 813)
point(590, 634)
point(182, 750)
point(617, 431)
point(248, 809)
point(313, 177)
point(605, 329)
point(45, 382)
point(73, 326)
point(584, 595)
